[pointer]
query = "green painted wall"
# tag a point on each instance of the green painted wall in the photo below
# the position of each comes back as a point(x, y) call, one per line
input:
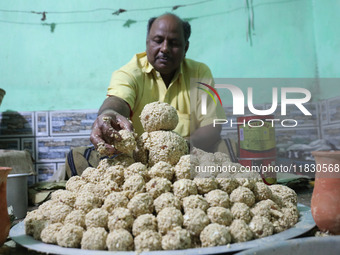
point(70, 68)
point(327, 40)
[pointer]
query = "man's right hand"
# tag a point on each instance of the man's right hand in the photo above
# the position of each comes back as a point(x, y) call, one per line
point(106, 127)
point(105, 130)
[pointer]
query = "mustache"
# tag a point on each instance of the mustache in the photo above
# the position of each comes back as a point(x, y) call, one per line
point(163, 56)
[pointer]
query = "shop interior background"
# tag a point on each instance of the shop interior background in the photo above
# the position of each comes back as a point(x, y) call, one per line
point(57, 58)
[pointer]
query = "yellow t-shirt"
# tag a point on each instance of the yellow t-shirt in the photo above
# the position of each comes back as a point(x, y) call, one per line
point(138, 83)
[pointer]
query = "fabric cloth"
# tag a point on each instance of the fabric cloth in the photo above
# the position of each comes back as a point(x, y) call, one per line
point(21, 162)
point(79, 158)
point(138, 83)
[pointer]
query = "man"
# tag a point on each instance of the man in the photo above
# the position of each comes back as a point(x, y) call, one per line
point(162, 73)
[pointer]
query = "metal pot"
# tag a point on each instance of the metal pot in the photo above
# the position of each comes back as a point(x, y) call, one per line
point(17, 194)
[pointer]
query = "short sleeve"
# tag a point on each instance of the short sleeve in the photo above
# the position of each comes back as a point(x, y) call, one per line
point(123, 85)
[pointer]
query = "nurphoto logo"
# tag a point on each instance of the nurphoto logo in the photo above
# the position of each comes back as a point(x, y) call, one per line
point(204, 96)
point(304, 96)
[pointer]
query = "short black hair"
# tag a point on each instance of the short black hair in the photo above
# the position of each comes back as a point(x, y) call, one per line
point(185, 24)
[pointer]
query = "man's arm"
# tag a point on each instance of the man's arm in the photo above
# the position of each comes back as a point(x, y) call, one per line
point(116, 104)
point(112, 116)
point(206, 137)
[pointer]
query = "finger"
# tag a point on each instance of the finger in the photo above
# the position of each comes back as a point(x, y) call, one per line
point(110, 150)
point(112, 135)
point(96, 139)
point(103, 136)
point(125, 124)
point(109, 133)
point(96, 135)
point(102, 147)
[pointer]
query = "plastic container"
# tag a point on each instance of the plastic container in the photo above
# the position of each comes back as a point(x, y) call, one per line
point(17, 194)
point(257, 146)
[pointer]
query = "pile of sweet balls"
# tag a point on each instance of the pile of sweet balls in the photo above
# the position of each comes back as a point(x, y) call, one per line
point(152, 199)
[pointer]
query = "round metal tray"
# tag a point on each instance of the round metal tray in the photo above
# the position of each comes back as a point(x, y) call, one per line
point(304, 224)
point(308, 245)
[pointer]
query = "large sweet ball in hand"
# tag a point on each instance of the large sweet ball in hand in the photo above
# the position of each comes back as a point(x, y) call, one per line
point(159, 116)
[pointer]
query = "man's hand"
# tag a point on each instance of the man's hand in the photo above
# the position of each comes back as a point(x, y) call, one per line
point(105, 130)
point(108, 123)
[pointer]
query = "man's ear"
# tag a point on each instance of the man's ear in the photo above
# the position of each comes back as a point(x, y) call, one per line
point(186, 47)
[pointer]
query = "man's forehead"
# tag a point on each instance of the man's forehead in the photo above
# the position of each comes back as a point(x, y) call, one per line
point(167, 22)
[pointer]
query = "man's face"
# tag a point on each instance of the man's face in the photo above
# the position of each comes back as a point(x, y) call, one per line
point(165, 45)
